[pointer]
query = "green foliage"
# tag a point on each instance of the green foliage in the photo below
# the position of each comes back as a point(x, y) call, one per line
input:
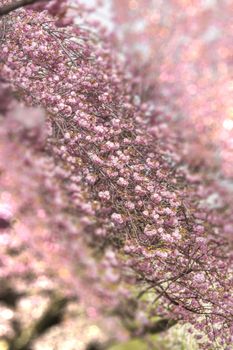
point(136, 344)
point(176, 338)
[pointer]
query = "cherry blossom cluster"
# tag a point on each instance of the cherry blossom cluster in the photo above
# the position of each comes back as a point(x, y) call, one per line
point(41, 242)
point(148, 221)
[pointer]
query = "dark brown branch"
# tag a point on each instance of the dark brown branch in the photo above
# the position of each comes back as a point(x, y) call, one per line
point(6, 9)
point(52, 316)
point(9, 296)
point(160, 326)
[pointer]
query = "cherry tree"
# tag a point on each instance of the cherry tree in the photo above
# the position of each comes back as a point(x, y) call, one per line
point(121, 200)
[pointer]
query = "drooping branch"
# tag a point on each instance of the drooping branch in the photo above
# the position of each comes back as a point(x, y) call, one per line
point(6, 9)
point(120, 174)
point(9, 296)
point(52, 316)
point(159, 326)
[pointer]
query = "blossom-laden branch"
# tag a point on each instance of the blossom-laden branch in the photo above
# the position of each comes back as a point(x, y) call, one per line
point(7, 8)
point(147, 220)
